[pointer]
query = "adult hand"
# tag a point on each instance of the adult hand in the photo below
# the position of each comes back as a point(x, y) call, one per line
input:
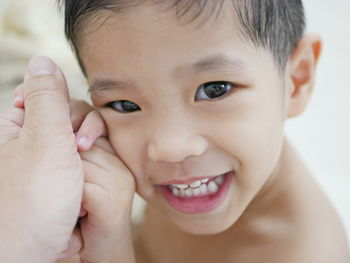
point(41, 176)
point(103, 233)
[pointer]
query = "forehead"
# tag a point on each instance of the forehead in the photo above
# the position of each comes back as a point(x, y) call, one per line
point(147, 40)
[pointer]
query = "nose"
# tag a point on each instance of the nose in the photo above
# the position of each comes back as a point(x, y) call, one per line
point(174, 143)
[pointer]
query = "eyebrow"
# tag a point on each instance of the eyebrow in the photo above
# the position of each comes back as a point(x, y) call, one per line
point(101, 85)
point(215, 62)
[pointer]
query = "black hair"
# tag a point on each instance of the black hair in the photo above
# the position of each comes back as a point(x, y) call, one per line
point(276, 25)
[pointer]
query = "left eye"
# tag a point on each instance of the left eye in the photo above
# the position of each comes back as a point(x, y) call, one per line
point(213, 90)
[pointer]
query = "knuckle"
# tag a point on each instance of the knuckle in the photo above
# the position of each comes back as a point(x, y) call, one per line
point(42, 86)
point(43, 141)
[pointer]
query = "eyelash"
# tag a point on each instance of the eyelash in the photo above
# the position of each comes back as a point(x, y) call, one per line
point(227, 89)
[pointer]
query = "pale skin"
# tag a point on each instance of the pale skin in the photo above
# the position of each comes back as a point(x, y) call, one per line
point(275, 212)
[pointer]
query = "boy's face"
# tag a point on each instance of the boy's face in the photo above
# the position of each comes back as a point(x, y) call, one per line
point(177, 129)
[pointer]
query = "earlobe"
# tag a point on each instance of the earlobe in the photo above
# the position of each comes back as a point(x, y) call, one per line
point(301, 72)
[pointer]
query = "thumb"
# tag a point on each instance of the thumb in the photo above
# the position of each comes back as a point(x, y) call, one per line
point(45, 98)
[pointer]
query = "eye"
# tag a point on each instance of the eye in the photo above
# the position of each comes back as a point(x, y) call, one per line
point(213, 90)
point(123, 106)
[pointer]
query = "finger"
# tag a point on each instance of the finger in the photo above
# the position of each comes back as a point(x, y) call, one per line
point(101, 202)
point(46, 98)
point(98, 204)
point(14, 117)
point(11, 122)
point(94, 175)
point(103, 143)
point(107, 172)
point(102, 158)
point(92, 127)
point(74, 246)
point(106, 191)
point(18, 97)
point(78, 111)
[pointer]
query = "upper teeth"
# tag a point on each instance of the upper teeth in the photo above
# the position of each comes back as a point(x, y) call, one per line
point(199, 187)
point(181, 186)
point(194, 184)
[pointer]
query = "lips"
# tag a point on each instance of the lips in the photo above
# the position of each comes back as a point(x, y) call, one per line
point(207, 201)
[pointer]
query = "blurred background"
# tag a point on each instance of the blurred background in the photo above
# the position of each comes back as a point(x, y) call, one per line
point(321, 135)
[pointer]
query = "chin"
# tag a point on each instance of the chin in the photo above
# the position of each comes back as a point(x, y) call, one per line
point(205, 224)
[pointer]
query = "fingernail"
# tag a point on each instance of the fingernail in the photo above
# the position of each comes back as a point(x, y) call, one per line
point(17, 101)
point(84, 142)
point(39, 66)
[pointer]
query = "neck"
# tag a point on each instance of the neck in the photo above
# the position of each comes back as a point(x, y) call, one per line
point(287, 174)
point(275, 202)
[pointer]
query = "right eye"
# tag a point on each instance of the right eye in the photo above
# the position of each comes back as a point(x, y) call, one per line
point(123, 106)
point(214, 90)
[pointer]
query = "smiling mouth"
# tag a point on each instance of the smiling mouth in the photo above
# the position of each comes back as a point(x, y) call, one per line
point(197, 188)
point(199, 196)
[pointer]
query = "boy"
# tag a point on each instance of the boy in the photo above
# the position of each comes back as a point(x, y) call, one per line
point(194, 95)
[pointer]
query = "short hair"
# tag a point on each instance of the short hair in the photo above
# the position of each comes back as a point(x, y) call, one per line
point(276, 25)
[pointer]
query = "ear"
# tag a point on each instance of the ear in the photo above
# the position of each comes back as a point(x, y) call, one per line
point(301, 73)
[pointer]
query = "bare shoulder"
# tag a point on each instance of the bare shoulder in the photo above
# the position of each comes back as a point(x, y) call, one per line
point(311, 230)
point(326, 244)
point(300, 243)
point(322, 234)
point(316, 225)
